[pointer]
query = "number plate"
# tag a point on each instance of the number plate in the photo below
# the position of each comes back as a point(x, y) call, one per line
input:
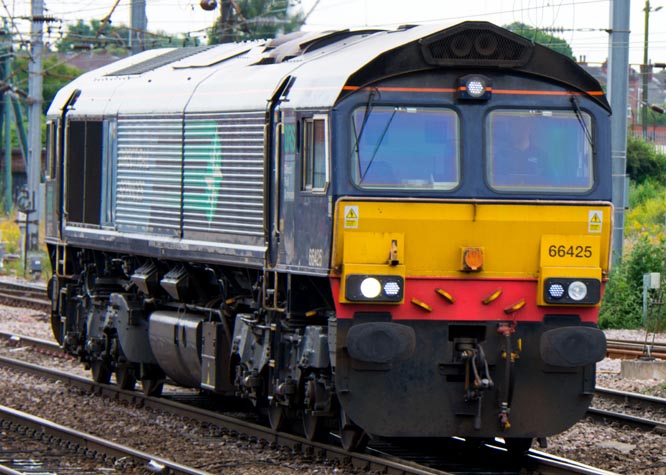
point(567, 250)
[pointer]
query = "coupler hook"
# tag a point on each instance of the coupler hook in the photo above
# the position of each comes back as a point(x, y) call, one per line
point(506, 330)
point(477, 378)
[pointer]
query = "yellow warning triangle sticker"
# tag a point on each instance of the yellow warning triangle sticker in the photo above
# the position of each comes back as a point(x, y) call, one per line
point(351, 214)
point(595, 218)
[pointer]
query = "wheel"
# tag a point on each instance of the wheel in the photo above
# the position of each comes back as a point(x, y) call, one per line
point(152, 380)
point(101, 372)
point(352, 437)
point(314, 426)
point(518, 445)
point(277, 416)
point(126, 376)
point(152, 387)
point(316, 417)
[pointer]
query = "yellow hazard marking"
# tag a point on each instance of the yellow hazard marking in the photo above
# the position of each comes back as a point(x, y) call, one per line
point(351, 217)
point(594, 221)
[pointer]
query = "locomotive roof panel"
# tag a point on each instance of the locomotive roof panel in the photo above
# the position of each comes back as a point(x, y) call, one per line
point(245, 76)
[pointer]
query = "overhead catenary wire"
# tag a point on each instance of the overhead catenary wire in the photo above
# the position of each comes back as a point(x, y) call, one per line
point(586, 38)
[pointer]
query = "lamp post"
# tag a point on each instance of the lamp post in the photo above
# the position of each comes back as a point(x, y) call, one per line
point(645, 66)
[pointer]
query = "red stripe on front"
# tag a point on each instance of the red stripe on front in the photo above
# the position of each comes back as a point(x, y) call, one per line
point(467, 306)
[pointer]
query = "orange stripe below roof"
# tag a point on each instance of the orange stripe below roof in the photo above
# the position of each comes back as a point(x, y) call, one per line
point(495, 91)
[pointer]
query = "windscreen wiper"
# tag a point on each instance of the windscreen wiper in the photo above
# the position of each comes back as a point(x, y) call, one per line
point(581, 121)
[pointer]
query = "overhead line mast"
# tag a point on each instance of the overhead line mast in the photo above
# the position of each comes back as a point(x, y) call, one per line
point(35, 87)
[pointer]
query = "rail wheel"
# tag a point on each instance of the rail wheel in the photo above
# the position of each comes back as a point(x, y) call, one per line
point(126, 376)
point(352, 437)
point(518, 445)
point(315, 398)
point(277, 416)
point(152, 387)
point(152, 380)
point(101, 371)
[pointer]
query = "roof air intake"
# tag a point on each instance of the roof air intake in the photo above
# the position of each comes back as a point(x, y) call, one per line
point(477, 44)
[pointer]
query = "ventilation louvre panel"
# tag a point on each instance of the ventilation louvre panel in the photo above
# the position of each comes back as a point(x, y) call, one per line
point(475, 45)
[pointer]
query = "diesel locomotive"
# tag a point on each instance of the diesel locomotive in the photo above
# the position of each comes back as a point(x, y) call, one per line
point(385, 233)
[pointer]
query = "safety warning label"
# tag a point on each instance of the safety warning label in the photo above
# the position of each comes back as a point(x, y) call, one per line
point(351, 217)
point(594, 221)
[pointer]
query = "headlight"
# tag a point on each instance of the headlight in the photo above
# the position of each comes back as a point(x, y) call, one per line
point(374, 288)
point(572, 291)
point(370, 288)
point(577, 290)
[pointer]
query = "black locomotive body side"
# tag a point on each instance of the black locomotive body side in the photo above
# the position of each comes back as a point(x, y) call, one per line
point(323, 224)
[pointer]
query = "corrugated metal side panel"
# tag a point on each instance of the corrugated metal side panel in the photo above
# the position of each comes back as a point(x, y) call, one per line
point(148, 196)
point(223, 174)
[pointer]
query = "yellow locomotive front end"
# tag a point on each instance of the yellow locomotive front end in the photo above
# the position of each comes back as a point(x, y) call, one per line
point(461, 317)
point(426, 255)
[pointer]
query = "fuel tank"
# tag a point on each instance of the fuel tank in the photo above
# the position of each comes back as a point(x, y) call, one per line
point(175, 338)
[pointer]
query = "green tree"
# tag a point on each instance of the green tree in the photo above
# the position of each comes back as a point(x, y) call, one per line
point(622, 306)
point(92, 35)
point(537, 36)
point(96, 35)
point(244, 20)
point(56, 75)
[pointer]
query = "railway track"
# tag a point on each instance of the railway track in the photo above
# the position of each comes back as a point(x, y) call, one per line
point(625, 349)
point(106, 452)
point(24, 295)
point(426, 460)
point(635, 407)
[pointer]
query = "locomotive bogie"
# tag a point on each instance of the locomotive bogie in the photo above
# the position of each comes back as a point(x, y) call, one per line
point(338, 228)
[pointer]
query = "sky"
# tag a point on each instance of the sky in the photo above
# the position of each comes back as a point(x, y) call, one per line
point(582, 23)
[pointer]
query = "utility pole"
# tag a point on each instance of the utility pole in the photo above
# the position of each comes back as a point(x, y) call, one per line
point(138, 24)
point(35, 85)
point(7, 114)
point(226, 21)
point(645, 70)
point(618, 85)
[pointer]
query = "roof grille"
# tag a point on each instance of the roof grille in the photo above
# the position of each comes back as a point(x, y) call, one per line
point(170, 56)
point(478, 44)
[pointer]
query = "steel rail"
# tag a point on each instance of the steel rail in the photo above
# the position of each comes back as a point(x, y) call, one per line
point(554, 465)
point(92, 443)
point(638, 422)
point(635, 349)
point(4, 470)
point(24, 294)
point(637, 402)
point(643, 401)
point(36, 343)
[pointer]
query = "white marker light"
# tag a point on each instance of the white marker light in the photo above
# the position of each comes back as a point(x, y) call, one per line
point(371, 288)
point(476, 87)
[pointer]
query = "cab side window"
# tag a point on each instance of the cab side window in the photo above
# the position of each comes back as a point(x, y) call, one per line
point(314, 154)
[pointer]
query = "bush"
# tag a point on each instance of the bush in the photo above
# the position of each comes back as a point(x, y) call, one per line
point(647, 210)
point(622, 306)
point(11, 236)
point(644, 162)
